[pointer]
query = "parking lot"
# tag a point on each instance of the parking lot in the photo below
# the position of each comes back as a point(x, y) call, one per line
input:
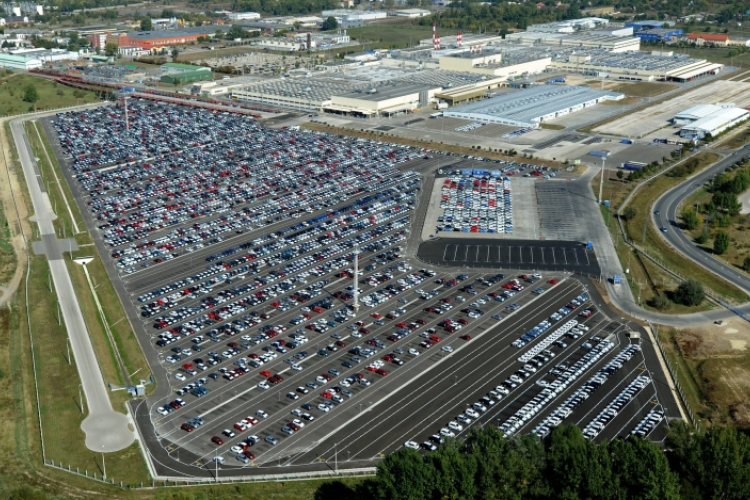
point(511, 254)
point(234, 248)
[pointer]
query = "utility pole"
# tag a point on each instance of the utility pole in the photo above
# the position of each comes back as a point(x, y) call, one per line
point(80, 396)
point(335, 457)
point(68, 346)
point(104, 467)
point(356, 272)
point(601, 183)
point(645, 224)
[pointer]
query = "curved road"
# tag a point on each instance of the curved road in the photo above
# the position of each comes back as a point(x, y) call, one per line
point(665, 215)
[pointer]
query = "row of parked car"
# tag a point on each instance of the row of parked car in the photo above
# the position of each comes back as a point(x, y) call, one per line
point(585, 391)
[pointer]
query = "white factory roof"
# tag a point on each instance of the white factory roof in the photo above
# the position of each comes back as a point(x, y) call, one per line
point(700, 70)
point(718, 119)
point(697, 112)
point(528, 105)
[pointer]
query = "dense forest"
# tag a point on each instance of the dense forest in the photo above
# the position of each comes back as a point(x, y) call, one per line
point(709, 466)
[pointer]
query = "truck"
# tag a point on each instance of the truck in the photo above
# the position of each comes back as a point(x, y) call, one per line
point(601, 153)
point(441, 105)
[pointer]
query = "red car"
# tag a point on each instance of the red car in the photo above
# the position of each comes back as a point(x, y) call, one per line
point(276, 379)
point(265, 373)
point(387, 358)
point(463, 321)
point(376, 315)
point(382, 372)
point(249, 454)
point(435, 338)
point(401, 325)
point(553, 282)
point(465, 337)
point(187, 427)
point(217, 440)
point(421, 321)
point(326, 395)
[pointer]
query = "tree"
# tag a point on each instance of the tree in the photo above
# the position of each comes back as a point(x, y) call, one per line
point(690, 219)
point(175, 53)
point(746, 264)
point(620, 174)
point(642, 470)
point(146, 24)
point(236, 31)
point(110, 49)
point(689, 293)
point(628, 213)
point(30, 94)
point(661, 302)
point(329, 24)
point(402, 475)
point(721, 243)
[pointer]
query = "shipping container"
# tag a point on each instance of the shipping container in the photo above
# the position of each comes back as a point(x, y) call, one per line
point(633, 165)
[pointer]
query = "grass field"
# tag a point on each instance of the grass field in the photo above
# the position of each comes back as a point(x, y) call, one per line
point(13, 86)
point(8, 261)
point(647, 277)
point(736, 140)
point(626, 101)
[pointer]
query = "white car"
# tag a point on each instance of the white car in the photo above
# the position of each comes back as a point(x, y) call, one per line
point(447, 348)
point(412, 445)
point(471, 413)
point(447, 432)
point(296, 367)
point(161, 411)
point(413, 352)
point(455, 426)
point(264, 385)
point(180, 376)
point(298, 422)
point(261, 414)
point(236, 449)
point(323, 408)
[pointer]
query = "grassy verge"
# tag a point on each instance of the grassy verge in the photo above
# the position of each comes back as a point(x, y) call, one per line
point(625, 101)
point(450, 148)
point(8, 261)
point(551, 126)
point(648, 277)
point(51, 94)
point(736, 140)
point(643, 89)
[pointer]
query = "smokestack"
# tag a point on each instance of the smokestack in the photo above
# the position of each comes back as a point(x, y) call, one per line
point(437, 43)
point(459, 40)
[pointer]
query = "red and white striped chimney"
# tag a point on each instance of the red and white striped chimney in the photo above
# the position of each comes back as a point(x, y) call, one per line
point(459, 40)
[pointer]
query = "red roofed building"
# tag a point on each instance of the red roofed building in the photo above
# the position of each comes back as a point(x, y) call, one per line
point(709, 39)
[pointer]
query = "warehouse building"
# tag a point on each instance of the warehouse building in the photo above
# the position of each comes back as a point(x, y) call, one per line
point(19, 62)
point(242, 16)
point(660, 35)
point(714, 123)
point(648, 25)
point(529, 107)
point(634, 66)
point(498, 62)
point(162, 38)
point(584, 40)
point(188, 76)
point(47, 55)
point(174, 68)
point(708, 39)
point(467, 40)
point(570, 26)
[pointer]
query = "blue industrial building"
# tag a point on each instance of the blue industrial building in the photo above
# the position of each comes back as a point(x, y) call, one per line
point(648, 25)
point(659, 35)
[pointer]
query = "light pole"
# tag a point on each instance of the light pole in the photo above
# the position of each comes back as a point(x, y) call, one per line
point(335, 457)
point(104, 467)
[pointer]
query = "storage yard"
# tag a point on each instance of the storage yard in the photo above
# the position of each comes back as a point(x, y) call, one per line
point(273, 280)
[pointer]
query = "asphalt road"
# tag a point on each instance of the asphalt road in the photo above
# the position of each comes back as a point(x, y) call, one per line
point(668, 216)
point(106, 430)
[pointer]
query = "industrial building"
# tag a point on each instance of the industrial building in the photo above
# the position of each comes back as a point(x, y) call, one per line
point(411, 13)
point(501, 62)
point(467, 40)
point(532, 106)
point(161, 38)
point(570, 26)
point(634, 66)
point(367, 91)
point(175, 68)
point(660, 35)
point(241, 16)
point(46, 55)
point(347, 18)
point(712, 120)
point(648, 25)
point(188, 76)
point(19, 62)
point(584, 40)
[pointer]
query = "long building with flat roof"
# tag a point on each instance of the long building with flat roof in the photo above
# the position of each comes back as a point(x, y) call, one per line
point(532, 106)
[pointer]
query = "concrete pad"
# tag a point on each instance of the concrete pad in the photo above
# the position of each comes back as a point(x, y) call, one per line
point(108, 431)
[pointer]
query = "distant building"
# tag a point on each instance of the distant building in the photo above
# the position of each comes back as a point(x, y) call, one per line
point(239, 16)
point(151, 39)
point(176, 68)
point(412, 13)
point(19, 62)
point(660, 35)
point(188, 76)
point(46, 55)
point(709, 39)
point(648, 25)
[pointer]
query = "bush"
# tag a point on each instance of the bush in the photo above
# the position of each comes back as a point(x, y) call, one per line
point(721, 243)
point(628, 213)
point(661, 302)
point(746, 264)
point(702, 239)
point(689, 293)
point(690, 219)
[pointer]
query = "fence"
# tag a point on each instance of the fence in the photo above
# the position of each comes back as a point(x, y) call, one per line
point(171, 483)
point(676, 381)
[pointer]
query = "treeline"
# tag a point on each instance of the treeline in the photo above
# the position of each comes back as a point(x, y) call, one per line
point(485, 466)
point(279, 7)
point(473, 15)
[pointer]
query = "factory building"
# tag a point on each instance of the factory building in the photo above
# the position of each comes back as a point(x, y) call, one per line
point(175, 68)
point(467, 40)
point(532, 106)
point(497, 64)
point(634, 66)
point(242, 16)
point(411, 13)
point(187, 77)
point(712, 123)
point(19, 62)
point(585, 40)
point(161, 38)
point(649, 25)
point(660, 35)
point(571, 26)
point(46, 55)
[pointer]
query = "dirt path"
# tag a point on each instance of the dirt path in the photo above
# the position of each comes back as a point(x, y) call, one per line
point(15, 212)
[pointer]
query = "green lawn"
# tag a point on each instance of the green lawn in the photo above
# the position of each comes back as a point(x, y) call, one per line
point(51, 94)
